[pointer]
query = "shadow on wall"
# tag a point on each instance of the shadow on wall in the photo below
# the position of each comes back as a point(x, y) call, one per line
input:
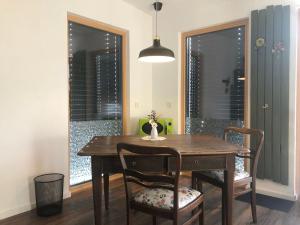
point(134, 123)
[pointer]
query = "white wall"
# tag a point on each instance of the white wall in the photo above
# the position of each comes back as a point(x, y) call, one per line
point(297, 185)
point(180, 16)
point(34, 87)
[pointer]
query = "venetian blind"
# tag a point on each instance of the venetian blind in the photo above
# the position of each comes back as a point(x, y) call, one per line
point(215, 80)
point(95, 74)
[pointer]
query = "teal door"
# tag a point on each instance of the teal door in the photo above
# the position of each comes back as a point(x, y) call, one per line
point(270, 43)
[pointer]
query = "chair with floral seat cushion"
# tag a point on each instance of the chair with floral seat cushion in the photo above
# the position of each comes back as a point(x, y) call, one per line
point(219, 175)
point(161, 195)
point(243, 181)
point(164, 198)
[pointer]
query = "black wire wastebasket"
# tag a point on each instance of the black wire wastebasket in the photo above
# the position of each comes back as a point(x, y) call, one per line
point(49, 193)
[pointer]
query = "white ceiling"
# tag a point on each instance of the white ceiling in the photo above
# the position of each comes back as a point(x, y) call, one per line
point(146, 5)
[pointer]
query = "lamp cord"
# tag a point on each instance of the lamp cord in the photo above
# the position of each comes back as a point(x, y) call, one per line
point(155, 23)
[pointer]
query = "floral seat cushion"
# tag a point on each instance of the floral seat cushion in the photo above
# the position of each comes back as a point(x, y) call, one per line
point(239, 172)
point(219, 174)
point(163, 198)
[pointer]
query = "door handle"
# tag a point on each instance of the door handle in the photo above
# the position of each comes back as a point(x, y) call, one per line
point(265, 106)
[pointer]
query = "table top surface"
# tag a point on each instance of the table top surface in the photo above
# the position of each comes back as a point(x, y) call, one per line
point(185, 144)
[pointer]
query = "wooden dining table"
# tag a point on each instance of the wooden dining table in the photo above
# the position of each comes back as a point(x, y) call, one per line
point(199, 152)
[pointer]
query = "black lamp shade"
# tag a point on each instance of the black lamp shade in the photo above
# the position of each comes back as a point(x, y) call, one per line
point(156, 53)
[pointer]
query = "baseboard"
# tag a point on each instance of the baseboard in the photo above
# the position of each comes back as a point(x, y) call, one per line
point(267, 187)
point(67, 194)
point(275, 194)
point(15, 211)
point(24, 208)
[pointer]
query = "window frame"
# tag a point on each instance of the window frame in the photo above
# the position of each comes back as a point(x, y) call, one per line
point(124, 34)
point(184, 35)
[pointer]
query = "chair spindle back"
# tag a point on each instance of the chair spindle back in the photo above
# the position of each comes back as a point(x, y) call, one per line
point(149, 180)
point(257, 138)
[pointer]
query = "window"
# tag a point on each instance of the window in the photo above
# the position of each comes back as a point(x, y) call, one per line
point(214, 79)
point(96, 90)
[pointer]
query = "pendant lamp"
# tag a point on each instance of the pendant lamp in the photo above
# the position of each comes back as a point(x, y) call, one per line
point(156, 53)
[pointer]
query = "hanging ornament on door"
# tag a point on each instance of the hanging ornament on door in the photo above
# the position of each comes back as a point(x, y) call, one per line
point(260, 42)
point(278, 47)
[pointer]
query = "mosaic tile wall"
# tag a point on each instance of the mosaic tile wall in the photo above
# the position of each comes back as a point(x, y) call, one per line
point(82, 132)
point(216, 128)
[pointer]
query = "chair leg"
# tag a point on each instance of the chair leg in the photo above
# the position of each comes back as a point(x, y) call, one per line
point(196, 184)
point(106, 190)
point(201, 216)
point(128, 216)
point(253, 203)
point(175, 221)
point(200, 186)
point(194, 181)
point(154, 219)
point(223, 206)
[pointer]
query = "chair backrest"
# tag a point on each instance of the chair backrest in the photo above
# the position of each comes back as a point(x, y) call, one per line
point(149, 180)
point(257, 140)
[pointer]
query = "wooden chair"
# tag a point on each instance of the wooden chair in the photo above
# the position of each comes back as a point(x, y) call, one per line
point(243, 182)
point(161, 195)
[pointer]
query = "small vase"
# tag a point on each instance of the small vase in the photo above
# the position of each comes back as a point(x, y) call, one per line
point(154, 133)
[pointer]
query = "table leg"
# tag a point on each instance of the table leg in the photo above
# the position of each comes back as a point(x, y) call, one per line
point(106, 190)
point(227, 194)
point(97, 188)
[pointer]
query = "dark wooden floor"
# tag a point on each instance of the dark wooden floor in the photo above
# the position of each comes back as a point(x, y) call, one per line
point(78, 210)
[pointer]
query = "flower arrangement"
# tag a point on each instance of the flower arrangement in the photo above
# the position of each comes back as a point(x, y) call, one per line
point(153, 118)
